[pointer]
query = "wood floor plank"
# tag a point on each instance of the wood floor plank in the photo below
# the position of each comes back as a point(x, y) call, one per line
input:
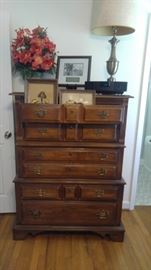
point(79, 251)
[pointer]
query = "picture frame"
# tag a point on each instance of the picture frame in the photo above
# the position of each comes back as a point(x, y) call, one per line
point(41, 91)
point(73, 71)
point(70, 97)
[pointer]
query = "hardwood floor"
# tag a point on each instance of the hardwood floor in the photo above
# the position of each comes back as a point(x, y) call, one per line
point(78, 251)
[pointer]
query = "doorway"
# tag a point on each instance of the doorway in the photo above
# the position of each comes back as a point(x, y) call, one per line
point(140, 141)
point(143, 194)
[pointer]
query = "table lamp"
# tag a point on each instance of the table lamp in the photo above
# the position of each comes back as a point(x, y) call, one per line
point(113, 18)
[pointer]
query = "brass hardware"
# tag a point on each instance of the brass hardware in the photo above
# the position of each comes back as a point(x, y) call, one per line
point(102, 172)
point(42, 193)
point(99, 193)
point(41, 113)
point(99, 131)
point(35, 213)
point(103, 214)
point(103, 114)
point(43, 131)
point(103, 156)
point(37, 171)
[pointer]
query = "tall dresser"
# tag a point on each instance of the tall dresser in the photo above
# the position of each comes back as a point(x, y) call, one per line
point(68, 167)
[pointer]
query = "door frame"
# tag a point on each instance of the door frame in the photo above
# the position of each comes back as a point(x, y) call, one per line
point(141, 117)
point(7, 191)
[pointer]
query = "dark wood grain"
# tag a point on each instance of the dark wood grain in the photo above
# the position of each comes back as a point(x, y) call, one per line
point(69, 167)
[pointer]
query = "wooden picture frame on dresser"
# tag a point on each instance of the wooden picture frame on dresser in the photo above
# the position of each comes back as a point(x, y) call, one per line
point(41, 91)
point(69, 167)
point(76, 97)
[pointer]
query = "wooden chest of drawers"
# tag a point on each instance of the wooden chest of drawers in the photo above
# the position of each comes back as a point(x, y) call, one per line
point(68, 167)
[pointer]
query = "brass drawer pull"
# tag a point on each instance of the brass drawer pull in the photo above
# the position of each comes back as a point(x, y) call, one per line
point(41, 113)
point(35, 213)
point(103, 156)
point(102, 172)
point(37, 171)
point(42, 193)
point(43, 131)
point(99, 193)
point(103, 114)
point(103, 214)
point(99, 131)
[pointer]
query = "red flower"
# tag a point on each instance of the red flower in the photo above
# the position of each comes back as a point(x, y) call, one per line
point(33, 51)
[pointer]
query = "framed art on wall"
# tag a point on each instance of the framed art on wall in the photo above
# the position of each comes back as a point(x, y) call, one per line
point(73, 71)
point(41, 91)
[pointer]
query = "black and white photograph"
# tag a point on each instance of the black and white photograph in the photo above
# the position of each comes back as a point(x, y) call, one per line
point(73, 70)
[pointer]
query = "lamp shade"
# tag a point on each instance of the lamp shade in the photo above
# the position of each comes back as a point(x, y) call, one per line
point(109, 14)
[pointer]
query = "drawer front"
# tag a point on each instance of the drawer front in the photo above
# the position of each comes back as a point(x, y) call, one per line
point(70, 154)
point(42, 132)
point(99, 192)
point(41, 191)
point(69, 170)
point(71, 133)
point(102, 113)
point(40, 113)
point(108, 133)
point(73, 113)
point(70, 192)
point(67, 213)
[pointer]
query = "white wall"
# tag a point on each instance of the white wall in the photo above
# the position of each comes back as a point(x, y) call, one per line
point(68, 23)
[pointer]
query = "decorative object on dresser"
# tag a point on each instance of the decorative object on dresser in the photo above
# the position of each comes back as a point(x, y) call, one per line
point(69, 166)
point(73, 71)
point(41, 91)
point(110, 18)
point(77, 97)
point(105, 87)
point(33, 53)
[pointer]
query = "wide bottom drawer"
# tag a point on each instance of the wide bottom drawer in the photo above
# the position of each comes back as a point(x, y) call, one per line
point(67, 213)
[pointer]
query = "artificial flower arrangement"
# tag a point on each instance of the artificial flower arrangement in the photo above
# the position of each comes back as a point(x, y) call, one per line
point(33, 52)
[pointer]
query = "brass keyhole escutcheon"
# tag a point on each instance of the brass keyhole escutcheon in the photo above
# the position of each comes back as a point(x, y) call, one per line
point(37, 171)
point(102, 172)
point(99, 193)
point(103, 214)
point(102, 156)
point(41, 113)
point(99, 131)
point(35, 213)
point(103, 114)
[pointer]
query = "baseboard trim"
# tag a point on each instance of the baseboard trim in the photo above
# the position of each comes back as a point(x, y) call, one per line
point(126, 205)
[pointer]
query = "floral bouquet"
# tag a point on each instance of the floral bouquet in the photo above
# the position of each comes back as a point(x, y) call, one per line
point(33, 52)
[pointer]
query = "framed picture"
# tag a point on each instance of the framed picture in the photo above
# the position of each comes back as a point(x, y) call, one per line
point(77, 97)
point(73, 71)
point(41, 91)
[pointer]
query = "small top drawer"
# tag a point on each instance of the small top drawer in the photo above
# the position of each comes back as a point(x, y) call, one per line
point(40, 113)
point(73, 113)
point(106, 113)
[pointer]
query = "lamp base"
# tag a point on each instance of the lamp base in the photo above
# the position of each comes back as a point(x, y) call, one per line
point(105, 87)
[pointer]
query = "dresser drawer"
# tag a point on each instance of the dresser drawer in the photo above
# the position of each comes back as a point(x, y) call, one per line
point(40, 113)
point(103, 113)
point(69, 170)
point(70, 154)
point(41, 191)
point(42, 132)
point(73, 113)
point(99, 192)
point(108, 133)
point(67, 213)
